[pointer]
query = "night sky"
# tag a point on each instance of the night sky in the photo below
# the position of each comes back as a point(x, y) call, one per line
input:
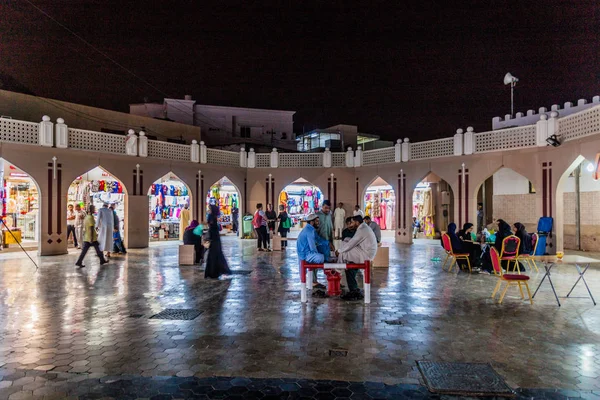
point(420, 69)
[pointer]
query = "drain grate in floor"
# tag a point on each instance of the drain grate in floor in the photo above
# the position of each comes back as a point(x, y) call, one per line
point(177, 314)
point(338, 353)
point(136, 315)
point(393, 322)
point(241, 272)
point(465, 379)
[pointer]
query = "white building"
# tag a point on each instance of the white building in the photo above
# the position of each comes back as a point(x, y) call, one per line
point(227, 126)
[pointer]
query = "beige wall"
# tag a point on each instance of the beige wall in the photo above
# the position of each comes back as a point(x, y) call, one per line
point(517, 208)
point(590, 221)
point(35, 161)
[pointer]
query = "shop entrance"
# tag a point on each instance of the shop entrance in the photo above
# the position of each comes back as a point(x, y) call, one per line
point(20, 207)
point(300, 199)
point(432, 206)
point(380, 204)
point(170, 208)
point(98, 187)
point(225, 195)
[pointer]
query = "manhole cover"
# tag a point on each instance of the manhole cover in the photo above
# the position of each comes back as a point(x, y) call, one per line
point(466, 379)
point(177, 314)
point(241, 272)
point(338, 353)
point(393, 322)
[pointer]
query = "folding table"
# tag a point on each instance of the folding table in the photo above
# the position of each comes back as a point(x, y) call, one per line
point(578, 261)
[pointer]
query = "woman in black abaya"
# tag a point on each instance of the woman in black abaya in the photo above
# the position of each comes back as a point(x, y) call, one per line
point(216, 264)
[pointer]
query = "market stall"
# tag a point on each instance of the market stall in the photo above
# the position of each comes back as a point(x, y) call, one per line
point(167, 196)
point(98, 187)
point(424, 209)
point(20, 205)
point(300, 199)
point(380, 204)
point(225, 195)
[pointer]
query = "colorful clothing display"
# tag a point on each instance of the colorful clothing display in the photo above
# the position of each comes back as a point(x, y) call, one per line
point(380, 205)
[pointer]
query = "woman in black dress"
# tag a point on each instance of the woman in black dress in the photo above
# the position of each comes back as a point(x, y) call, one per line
point(216, 264)
point(283, 223)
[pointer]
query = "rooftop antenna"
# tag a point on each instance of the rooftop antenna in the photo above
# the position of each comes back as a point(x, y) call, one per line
point(511, 80)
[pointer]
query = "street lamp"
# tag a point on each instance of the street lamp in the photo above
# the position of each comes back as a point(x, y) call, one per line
point(512, 81)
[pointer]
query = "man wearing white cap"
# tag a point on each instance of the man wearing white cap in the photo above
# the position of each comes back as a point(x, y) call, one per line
point(308, 242)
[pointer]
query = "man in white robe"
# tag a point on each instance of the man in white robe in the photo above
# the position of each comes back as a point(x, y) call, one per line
point(362, 247)
point(105, 225)
point(339, 221)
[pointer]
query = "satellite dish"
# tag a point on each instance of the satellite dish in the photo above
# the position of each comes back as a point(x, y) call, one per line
point(509, 79)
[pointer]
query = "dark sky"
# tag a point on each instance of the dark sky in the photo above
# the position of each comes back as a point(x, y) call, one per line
point(419, 69)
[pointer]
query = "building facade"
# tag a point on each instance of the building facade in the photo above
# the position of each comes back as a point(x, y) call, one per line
point(227, 126)
point(56, 155)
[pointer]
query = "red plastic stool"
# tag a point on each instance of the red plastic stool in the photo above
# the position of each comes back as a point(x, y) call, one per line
point(333, 282)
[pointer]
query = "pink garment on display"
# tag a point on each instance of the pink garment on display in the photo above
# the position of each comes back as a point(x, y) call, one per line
point(382, 224)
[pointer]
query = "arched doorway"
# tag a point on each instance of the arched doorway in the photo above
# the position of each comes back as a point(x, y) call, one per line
point(379, 203)
point(20, 207)
point(98, 187)
point(577, 213)
point(300, 198)
point(225, 194)
point(432, 207)
point(170, 202)
point(506, 195)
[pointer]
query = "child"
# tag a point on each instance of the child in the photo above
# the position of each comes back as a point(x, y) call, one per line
point(118, 246)
point(416, 225)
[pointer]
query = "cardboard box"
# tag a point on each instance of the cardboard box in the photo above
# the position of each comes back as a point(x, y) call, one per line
point(186, 254)
point(382, 258)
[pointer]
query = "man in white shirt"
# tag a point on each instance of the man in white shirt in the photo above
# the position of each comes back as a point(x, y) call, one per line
point(71, 224)
point(358, 211)
point(339, 221)
point(362, 247)
point(79, 217)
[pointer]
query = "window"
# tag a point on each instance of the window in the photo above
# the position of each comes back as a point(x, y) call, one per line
point(284, 136)
point(245, 131)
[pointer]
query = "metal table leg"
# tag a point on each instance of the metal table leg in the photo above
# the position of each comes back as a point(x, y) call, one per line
point(547, 274)
point(581, 277)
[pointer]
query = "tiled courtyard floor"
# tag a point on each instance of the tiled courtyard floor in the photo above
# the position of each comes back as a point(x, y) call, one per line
point(68, 332)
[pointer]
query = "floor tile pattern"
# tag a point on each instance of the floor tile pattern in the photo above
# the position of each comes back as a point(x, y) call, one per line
point(93, 323)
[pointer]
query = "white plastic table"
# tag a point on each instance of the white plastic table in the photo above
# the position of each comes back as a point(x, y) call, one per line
point(578, 261)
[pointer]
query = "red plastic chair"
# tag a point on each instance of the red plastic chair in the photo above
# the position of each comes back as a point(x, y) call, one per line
point(450, 253)
point(510, 252)
point(510, 279)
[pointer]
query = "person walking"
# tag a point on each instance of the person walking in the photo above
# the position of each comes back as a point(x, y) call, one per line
point(106, 223)
point(216, 263)
point(79, 217)
point(90, 239)
point(339, 219)
point(71, 219)
point(285, 223)
point(259, 222)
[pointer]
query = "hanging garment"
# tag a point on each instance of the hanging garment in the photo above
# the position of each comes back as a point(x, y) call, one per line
point(382, 218)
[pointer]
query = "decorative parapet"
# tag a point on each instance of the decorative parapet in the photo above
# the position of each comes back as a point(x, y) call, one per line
point(222, 157)
point(131, 144)
point(379, 156)
point(575, 126)
point(46, 132)
point(469, 141)
point(349, 158)
point(143, 144)
point(25, 132)
point(405, 150)
point(432, 149)
point(61, 132)
point(203, 153)
point(514, 138)
point(166, 150)
point(251, 158)
point(195, 152)
point(327, 158)
point(458, 142)
point(243, 157)
point(263, 160)
point(101, 142)
point(358, 157)
point(301, 160)
point(274, 161)
point(531, 117)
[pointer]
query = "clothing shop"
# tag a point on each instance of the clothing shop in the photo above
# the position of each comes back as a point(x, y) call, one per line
point(424, 209)
point(300, 199)
point(98, 187)
point(169, 202)
point(380, 204)
point(20, 206)
point(225, 195)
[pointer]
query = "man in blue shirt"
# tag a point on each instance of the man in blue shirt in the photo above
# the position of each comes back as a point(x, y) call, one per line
point(308, 243)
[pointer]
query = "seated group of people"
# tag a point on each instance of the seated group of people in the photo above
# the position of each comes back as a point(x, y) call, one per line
point(359, 245)
point(465, 242)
